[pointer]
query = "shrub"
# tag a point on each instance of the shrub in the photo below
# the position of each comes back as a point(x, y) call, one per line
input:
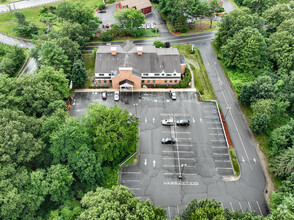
point(101, 7)
point(259, 123)
point(176, 86)
point(191, 51)
point(138, 33)
point(158, 44)
point(164, 86)
point(107, 35)
point(110, 1)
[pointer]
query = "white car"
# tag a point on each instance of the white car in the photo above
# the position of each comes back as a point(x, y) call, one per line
point(153, 25)
point(148, 26)
point(116, 96)
point(173, 95)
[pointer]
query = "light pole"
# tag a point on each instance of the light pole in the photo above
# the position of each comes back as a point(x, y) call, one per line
point(182, 170)
point(136, 104)
point(228, 109)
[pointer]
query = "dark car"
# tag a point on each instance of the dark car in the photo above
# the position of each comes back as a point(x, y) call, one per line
point(101, 11)
point(168, 141)
point(104, 95)
point(183, 122)
point(167, 122)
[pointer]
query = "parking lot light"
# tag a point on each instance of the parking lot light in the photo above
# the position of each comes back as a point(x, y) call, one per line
point(182, 170)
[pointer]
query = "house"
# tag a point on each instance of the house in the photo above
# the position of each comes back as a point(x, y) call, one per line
point(143, 5)
point(128, 66)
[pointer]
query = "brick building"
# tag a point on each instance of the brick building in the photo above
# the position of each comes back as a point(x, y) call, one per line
point(143, 5)
point(128, 66)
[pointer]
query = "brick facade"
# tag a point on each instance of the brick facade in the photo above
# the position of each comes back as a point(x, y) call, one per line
point(126, 73)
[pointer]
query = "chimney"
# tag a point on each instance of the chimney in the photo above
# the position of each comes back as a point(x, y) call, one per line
point(140, 50)
point(113, 50)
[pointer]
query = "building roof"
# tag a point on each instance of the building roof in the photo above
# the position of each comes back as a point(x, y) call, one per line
point(139, 4)
point(152, 60)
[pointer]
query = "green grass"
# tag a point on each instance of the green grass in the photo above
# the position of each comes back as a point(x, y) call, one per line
point(234, 161)
point(7, 1)
point(7, 20)
point(201, 79)
point(90, 65)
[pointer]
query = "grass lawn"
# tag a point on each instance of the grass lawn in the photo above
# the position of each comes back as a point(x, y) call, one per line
point(201, 79)
point(234, 161)
point(8, 1)
point(7, 20)
point(90, 65)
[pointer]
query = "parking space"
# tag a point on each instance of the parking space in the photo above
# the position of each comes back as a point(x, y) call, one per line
point(199, 155)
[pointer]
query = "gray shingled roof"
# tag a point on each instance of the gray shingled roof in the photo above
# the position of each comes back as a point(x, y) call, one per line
point(153, 60)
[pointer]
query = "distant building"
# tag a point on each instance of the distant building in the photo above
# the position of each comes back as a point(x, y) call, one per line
point(143, 5)
point(128, 66)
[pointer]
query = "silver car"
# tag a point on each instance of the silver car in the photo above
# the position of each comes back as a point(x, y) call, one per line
point(167, 122)
point(116, 96)
point(173, 95)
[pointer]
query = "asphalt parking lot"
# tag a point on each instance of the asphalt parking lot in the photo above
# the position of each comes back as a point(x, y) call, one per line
point(200, 153)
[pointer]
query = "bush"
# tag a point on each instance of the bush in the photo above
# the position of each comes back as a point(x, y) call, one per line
point(110, 1)
point(191, 51)
point(158, 44)
point(176, 86)
point(164, 86)
point(220, 10)
point(101, 7)
point(259, 123)
point(138, 33)
point(107, 35)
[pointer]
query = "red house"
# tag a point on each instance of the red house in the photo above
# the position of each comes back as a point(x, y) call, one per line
point(143, 5)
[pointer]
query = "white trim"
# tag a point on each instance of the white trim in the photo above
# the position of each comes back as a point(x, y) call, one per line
point(126, 68)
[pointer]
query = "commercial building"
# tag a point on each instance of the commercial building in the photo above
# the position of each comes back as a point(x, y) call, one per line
point(143, 5)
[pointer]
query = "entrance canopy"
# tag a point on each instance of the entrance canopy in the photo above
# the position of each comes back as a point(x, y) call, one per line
point(126, 85)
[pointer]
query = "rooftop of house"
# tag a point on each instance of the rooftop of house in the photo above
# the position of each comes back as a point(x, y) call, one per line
point(139, 4)
point(151, 60)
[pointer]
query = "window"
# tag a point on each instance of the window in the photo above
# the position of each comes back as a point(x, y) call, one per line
point(143, 81)
point(168, 74)
point(162, 74)
point(101, 74)
point(148, 81)
point(145, 74)
point(176, 81)
point(99, 81)
point(156, 74)
point(170, 81)
point(175, 74)
point(105, 81)
point(153, 81)
point(165, 81)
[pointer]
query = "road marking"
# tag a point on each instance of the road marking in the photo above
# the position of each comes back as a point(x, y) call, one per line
point(176, 166)
point(216, 134)
point(181, 151)
point(135, 181)
point(222, 161)
point(185, 145)
point(219, 147)
point(223, 168)
point(131, 172)
point(145, 162)
point(215, 128)
point(164, 158)
point(153, 120)
point(232, 207)
point(184, 138)
point(243, 160)
point(254, 160)
point(178, 210)
point(134, 188)
point(218, 140)
point(187, 174)
point(249, 206)
point(259, 208)
point(181, 183)
point(222, 205)
point(200, 120)
point(168, 212)
point(154, 163)
point(213, 122)
point(146, 120)
point(220, 154)
point(241, 207)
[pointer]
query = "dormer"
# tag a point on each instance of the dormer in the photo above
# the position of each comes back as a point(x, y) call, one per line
point(139, 50)
point(113, 50)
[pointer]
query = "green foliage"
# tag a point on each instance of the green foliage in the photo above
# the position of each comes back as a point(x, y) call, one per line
point(158, 44)
point(24, 28)
point(12, 61)
point(259, 123)
point(283, 164)
point(101, 7)
point(130, 19)
point(118, 203)
point(246, 50)
point(79, 75)
point(186, 79)
point(107, 35)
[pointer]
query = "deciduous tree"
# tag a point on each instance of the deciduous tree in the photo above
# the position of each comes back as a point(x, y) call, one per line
point(79, 74)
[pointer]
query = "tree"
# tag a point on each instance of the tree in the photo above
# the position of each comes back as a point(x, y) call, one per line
point(212, 6)
point(114, 131)
point(107, 35)
point(282, 206)
point(130, 19)
point(71, 48)
point(259, 6)
point(24, 28)
point(8, 97)
point(56, 79)
point(118, 203)
point(53, 55)
point(79, 74)
point(246, 50)
point(21, 19)
point(158, 44)
point(283, 164)
point(275, 15)
point(234, 22)
point(259, 123)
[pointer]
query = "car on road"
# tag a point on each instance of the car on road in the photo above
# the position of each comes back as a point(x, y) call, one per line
point(116, 96)
point(183, 122)
point(104, 95)
point(167, 122)
point(168, 140)
point(172, 94)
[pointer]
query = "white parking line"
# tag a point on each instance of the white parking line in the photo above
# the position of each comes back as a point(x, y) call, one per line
point(216, 134)
point(215, 128)
point(134, 189)
point(224, 168)
point(241, 207)
point(168, 212)
point(178, 132)
point(178, 211)
point(181, 183)
point(249, 206)
point(219, 147)
point(187, 174)
point(183, 152)
point(176, 166)
point(184, 138)
point(259, 208)
point(131, 172)
point(232, 207)
point(164, 158)
point(222, 161)
point(135, 181)
point(146, 120)
point(185, 145)
point(222, 205)
point(213, 122)
point(219, 154)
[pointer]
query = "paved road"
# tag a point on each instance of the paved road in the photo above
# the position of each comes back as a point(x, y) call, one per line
point(5, 39)
point(24, 4)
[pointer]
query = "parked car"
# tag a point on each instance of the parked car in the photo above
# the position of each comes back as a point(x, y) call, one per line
point(153, 25)
point(183, 122)
point(148, 26)
point(167, 122)
point(172, 94)
point(168, 141)
point(102, 11)
point(116, 96)
point(104, 95)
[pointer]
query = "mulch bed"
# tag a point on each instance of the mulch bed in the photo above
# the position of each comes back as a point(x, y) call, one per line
point(230, 142)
